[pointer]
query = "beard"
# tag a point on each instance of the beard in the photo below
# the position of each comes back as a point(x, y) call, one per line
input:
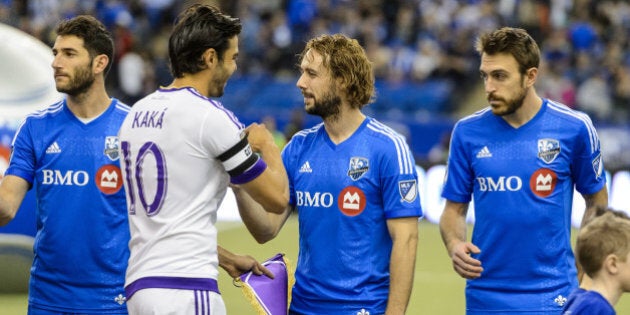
point(80, 83)
point(329, 106)
point(217, 87)
point(511, 105)
point(217, 84)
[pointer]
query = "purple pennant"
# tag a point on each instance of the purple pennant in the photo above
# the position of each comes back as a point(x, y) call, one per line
point(272, 295)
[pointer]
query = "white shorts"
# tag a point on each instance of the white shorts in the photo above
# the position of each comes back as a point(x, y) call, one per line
point(154, 301)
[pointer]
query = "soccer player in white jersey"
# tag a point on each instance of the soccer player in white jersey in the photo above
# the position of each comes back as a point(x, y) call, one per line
point(180, 150)
point(69, 152)
point(521, 158)
point(354, 186)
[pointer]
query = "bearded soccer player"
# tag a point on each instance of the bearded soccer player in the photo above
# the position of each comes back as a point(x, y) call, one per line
point(70, 149)
point(521, 158)
point(354, 186)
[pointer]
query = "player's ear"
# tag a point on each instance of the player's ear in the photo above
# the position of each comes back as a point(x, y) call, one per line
point(530, 76)
point(611, 264)
point(210, 57)
point(100, 63)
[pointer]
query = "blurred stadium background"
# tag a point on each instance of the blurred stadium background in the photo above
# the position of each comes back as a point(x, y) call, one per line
point(427, 78)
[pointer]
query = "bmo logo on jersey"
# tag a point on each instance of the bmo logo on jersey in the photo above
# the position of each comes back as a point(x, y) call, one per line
point(67, 178)
point(351, 201)
point(503, 183)
point(543, 182)
point(108, 178)
point(314, 199)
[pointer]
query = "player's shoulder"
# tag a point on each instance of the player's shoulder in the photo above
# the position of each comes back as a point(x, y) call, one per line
point(305, 135)
point(567, 115)
point(479, 117)
point(384, 133)
point(43, 114)
point(120, 106)
point(121, 109)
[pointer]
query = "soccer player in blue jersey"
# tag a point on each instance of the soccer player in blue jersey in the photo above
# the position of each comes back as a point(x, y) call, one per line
point(354, 186)
point(603, 250)
point(520, 158)
point(70, 149)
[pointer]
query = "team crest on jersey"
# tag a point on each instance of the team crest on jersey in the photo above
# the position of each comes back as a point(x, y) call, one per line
point(408, 190)
point(548, 149)
point(597, 165)
point(111, 148)
point(358, 167)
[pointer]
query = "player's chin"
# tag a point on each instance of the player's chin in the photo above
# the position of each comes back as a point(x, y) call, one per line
point(308, 103)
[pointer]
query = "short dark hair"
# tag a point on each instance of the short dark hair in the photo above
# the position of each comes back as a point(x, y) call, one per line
point(514, 41)
point(97, 40)
point(198, 28)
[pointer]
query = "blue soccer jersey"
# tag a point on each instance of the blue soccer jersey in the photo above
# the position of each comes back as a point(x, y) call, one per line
point(583, 302)
point(82, 231)
point(523, 181)
point(344, 193)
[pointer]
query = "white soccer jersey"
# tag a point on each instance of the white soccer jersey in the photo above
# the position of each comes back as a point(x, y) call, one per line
point(179, 151)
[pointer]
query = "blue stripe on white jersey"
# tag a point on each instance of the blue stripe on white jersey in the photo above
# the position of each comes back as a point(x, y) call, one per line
point(563, 109)
point(405, 163)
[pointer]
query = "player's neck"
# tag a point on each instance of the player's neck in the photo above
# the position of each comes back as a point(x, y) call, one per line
point(531, 105)
point(608, 289)
point(197, 81)
point(90, 103)
point(342, 126)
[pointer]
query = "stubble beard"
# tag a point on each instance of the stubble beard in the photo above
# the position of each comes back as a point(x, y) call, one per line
point(327, 108)
point(82, 81)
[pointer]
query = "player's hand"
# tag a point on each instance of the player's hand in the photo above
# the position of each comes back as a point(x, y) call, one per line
point(463, 263)
point(244, 263)
point(258, 135)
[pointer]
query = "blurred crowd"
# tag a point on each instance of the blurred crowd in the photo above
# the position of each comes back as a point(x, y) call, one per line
point(585, 43)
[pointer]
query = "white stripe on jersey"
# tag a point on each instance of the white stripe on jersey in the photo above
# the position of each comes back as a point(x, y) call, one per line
point(123, 107)
point(38, 114)
point(405, 163)
point(476, 114)
point(561, 108)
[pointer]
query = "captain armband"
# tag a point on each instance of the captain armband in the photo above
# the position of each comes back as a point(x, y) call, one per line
point(241, 163)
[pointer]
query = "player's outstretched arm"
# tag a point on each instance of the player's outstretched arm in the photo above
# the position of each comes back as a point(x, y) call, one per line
point(12, 192)
point(271, 188)
point(453, 231)
point(404, 234)
point(263, 225)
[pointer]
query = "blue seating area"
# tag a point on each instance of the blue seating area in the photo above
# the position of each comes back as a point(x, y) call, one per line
point(430, 96)
point(269, 95)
